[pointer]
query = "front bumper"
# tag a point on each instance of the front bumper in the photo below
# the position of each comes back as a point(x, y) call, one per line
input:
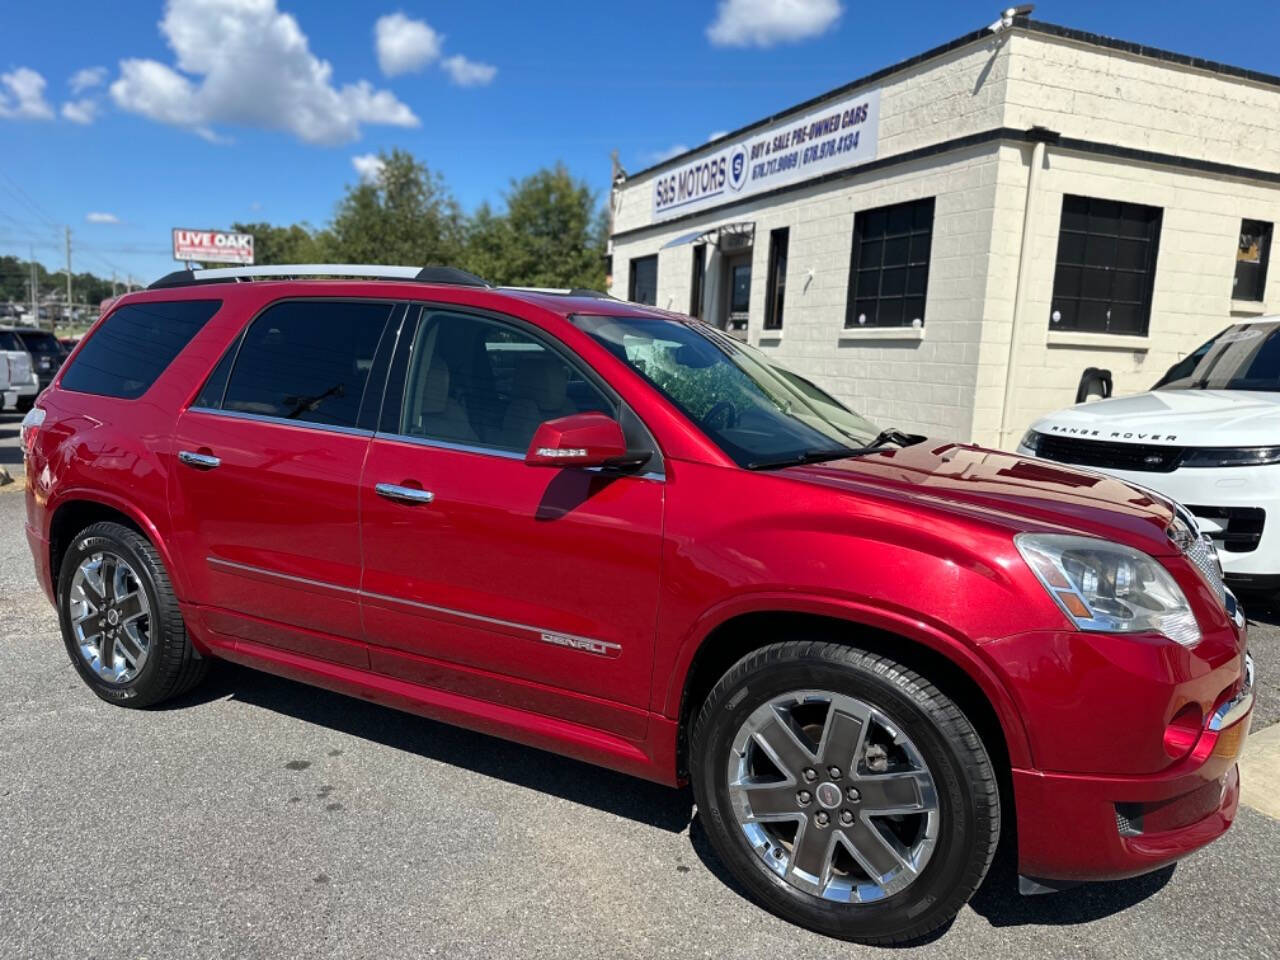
point(1226, 502)
point(1075, 827)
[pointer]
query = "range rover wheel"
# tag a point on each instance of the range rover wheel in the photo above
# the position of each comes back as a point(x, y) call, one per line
point(844, 791)
point(120, 619)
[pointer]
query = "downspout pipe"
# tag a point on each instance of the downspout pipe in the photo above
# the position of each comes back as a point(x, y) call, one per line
point(1040, 138)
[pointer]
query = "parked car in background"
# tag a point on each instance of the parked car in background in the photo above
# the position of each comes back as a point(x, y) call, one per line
point(19, 377)
point(1206, 435)
point(620, 534)
point(47, 353)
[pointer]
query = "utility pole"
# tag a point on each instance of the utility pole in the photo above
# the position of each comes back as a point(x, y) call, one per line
point(35, 291)
point(53, 325)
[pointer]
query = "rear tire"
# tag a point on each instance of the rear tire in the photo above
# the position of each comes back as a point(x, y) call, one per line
point(120, 619)
point(883, 847)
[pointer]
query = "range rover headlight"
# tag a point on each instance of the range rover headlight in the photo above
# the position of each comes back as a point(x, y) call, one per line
point(1031, 440)
point(1108, 587)
point(1230, 456)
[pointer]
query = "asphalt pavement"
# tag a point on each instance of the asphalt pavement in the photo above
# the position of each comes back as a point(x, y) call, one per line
point(259, 817)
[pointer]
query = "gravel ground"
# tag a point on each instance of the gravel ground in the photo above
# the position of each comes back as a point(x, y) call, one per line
point(263, 818)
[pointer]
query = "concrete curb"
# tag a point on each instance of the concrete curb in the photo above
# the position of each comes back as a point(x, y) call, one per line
point(1260, 771)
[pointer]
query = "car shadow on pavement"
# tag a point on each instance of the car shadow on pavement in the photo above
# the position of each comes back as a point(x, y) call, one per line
point(663, 807)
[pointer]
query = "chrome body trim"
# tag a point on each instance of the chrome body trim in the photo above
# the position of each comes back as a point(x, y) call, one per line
point(447, 445)
point(573, 641)
point(1238, 707)
point(282, 421)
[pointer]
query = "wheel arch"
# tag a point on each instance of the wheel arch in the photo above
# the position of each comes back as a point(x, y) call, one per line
point(80, 509)
point(955, 668)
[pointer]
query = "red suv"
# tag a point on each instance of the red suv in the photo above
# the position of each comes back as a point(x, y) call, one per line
point(619, 534)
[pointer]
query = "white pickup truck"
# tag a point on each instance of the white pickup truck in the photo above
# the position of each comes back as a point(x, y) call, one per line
point(1207, 435)
point(18, 383)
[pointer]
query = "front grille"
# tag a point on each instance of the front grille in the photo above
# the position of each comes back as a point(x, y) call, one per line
point(1241, 526)
point(1203, 554)
point(1105, 455)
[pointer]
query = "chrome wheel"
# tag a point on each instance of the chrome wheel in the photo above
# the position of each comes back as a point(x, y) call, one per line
point(833, 797)
point(110, 617)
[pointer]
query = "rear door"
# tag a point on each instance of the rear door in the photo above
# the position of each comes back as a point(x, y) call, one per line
point(533, 587)
point(265, 484)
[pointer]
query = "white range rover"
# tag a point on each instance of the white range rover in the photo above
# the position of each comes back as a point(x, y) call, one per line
point(1207, 435)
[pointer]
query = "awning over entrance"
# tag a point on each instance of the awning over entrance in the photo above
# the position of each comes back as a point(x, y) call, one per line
point(742, 233)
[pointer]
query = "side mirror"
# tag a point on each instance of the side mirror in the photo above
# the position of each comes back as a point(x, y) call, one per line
point(578, 440)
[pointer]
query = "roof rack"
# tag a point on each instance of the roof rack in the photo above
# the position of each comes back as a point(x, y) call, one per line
point(563, 292)
point(451, 275)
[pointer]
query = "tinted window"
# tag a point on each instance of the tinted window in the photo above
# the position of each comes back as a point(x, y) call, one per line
point(776, 295)
point(10, 341)
point(134, 345)
point(211, 393)
point(889, 272)
point(307, 361)
point(1106, 266)
point(643, 285)
point(476, 381)
point(1242, 357)
point(38, 342)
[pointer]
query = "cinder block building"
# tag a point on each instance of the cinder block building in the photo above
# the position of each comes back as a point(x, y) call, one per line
point(949, 243)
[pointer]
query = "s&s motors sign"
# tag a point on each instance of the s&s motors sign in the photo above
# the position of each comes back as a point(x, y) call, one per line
point(834, 136)
point(212, 246)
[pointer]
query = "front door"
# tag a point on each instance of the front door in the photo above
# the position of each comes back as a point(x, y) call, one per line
point(532, 587)
point(738, 269)
point(264, 487)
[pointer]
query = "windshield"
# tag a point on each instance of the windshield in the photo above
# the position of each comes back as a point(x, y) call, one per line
point(757, 412)
point(1242, 357)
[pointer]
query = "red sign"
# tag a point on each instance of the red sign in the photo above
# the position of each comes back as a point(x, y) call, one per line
point(212, 246)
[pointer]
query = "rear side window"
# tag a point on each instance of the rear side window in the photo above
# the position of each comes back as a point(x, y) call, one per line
point(10, 341)
point(38, 342)
point(135, 345)
point(307, 361)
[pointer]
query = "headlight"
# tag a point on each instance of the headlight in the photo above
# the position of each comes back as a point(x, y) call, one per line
point(1231, 457)
point(1031, 440)
point(1109, 587)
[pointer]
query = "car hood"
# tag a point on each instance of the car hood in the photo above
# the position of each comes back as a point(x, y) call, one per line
point(1210, 418)
point(1018, 492)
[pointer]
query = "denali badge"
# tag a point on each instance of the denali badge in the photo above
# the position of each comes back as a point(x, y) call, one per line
point(601, 648)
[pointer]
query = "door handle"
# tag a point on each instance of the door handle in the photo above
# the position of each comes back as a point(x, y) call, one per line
point(201, 461)
point(410, 495)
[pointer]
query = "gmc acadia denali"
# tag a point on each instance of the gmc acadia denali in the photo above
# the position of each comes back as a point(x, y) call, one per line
point(620, 534)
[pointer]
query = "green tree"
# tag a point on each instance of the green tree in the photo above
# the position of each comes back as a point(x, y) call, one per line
point(406, 216)
point(551, 235)
point(296, 243)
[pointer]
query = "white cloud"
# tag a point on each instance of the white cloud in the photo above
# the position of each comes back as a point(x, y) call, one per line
point(468, 73)
point(80, 111)
point(716, 135)
point(96, 217)
point(243, 62)
point(368, 166)
point(762, 23)
point(87, 79)
point(672, 151)
point(405, 45)
point(22, 95)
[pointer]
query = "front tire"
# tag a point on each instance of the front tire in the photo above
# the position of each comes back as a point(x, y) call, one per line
point(120, 619)
point(844, 791)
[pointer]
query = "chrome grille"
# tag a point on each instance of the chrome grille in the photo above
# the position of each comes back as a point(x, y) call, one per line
point(1205, 556)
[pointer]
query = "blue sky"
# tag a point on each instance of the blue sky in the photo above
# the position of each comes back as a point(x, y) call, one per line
point(205, 112)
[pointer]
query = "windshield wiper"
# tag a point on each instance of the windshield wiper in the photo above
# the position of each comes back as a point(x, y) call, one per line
point(804, 456)
point(893, 435)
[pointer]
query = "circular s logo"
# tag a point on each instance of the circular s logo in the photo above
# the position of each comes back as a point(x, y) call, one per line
point(738, 168)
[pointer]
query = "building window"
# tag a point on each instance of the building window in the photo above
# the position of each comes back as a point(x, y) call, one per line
point(643, 287)
point(1106, 266)
point(889, 269)
point(699, 279)
point(776, 292)
point(740, 292)
point(1251, 261)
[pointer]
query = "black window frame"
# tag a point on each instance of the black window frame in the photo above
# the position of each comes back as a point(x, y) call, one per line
point(88, 350)
point(1254, 289)
point(633, 268)
point(776, 285)
point(1081, 263)
point(221, 374)
point(698, 281)
point(874, 231)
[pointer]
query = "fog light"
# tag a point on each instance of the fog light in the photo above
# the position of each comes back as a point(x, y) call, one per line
point(1183, 731)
